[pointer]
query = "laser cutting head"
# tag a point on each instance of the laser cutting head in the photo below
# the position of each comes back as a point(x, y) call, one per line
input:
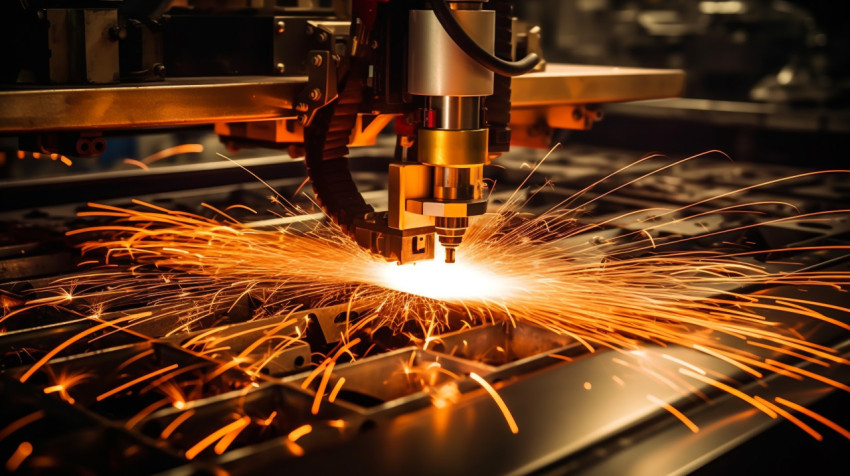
point(451, 141)
point(456, 158)
point(440, 183)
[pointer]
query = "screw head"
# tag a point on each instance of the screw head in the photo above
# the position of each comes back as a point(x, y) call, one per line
point(323, 37)
point(302, 119)
point(317, 60)
point(315, 94)
point(280, 68)
point(117, 33)
point(301, 107)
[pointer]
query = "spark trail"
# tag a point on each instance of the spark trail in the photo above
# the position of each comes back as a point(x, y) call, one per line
point(645, 286)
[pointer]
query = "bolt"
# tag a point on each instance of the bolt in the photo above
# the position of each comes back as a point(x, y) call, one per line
point(117, 33)
point(302, 119)
point(317, 60)
point(301, 107)
point(323, 37)
point(84, 146)
point(281, 27)
point(281, 68)
point(597, 114)
point(315, 94)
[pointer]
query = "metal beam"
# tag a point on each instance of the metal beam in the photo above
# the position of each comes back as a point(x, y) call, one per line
point(192, 101)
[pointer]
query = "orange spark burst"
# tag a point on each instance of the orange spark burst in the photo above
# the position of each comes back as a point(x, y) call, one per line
point(618, 293)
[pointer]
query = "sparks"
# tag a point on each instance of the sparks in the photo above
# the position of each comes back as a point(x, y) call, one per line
point(464, 280)
point(21, 453)
point(498, 399)
point(619, 293)
point(192, 452)
point(297, 433)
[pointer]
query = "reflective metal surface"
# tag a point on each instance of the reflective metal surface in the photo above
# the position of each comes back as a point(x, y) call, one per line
point(577, 84)
point(437, 66)
point(228, 99)
point(170, 103)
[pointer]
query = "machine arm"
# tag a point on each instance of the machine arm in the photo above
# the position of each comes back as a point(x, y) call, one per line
point(440, 185)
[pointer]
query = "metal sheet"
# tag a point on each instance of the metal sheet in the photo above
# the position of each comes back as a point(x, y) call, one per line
point(171, 103)
point(580, 84)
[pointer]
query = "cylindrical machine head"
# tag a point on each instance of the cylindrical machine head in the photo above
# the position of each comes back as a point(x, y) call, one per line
point(437, 66)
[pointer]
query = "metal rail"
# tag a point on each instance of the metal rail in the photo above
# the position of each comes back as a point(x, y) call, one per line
point(193, 101)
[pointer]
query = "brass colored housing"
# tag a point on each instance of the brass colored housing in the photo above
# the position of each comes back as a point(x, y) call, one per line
point(407, 181)
point(453, 148)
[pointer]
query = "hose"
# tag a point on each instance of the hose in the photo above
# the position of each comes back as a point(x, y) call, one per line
point(476, 52)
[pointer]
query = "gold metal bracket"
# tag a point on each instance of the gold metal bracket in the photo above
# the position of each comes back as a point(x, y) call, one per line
point(408, 181)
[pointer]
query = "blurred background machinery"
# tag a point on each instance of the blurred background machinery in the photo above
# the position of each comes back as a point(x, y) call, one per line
point(767, 80)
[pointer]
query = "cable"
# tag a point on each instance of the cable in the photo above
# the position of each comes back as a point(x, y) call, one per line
point(476, 52)
point(326, 158)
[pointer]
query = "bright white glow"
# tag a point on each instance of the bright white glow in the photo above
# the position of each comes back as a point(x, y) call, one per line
point(437, 279)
